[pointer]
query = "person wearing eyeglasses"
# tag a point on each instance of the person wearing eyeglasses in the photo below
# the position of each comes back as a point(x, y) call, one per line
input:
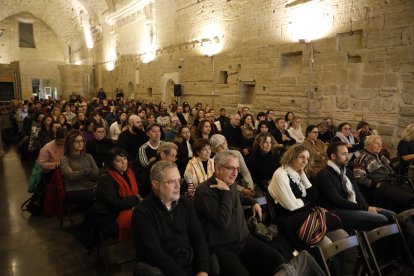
point(220, 208)
point(317, 150)
point(168, 236)
point(200, 167)
point(79, 170)
point(116, 195)
point(167, 151)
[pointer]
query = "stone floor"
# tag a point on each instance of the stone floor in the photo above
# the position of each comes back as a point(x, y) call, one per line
point(38, 245)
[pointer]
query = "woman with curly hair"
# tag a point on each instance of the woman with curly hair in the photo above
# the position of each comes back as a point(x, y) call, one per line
point(295, 199)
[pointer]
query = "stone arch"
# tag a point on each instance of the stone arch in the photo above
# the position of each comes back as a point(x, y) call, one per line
point(167, 85)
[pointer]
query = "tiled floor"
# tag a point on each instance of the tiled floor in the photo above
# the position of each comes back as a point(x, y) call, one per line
point(38, 245)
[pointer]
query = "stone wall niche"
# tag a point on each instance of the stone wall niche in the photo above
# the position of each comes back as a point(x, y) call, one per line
point(291, 64)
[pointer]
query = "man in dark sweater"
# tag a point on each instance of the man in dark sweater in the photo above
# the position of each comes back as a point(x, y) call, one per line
point(133, 138)
point(167, 233)
point(234, 136)
point(99, 146)
point(339, 193)
point(220, 210)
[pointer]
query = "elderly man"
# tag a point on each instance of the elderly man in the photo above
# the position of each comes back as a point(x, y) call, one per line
point(220, 210)
point(374, 176)
point(340, 194)
point(167, 233)
point(234, 135)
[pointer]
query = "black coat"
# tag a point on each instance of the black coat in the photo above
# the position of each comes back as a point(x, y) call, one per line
point(331, 193)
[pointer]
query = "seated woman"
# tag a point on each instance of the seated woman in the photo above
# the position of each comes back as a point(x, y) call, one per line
point(295, 130)
point(344, 135)
point(45, 134)
point(406, 148)
point(317, 150)
point(117, 127)
point(116, 195)
point(372, 172)
point(247, 128)
point(200, 167)
point(264, 160)
point(79, 170)
point(204, 129)
point(245, 185)
point(184, 151)
point(295, 199)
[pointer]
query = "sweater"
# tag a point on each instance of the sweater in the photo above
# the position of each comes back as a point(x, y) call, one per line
point(332, 195)
point(49, 156)
point(80, 172)
point(159, 234)
point(221, 214)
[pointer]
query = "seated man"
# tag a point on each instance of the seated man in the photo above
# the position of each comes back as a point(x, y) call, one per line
point(219, 207)
point(148, 151)
point(167, 233)
point(373, 174)
point(340, 194)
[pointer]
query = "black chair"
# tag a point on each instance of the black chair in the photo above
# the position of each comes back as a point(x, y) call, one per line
point(332, 250)
point(373, 236)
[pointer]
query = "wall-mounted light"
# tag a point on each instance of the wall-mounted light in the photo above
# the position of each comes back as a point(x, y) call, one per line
point(310, 21)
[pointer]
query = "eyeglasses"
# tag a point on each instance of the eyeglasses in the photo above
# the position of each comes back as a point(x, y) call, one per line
point(232, 169)
point(178, 181)
point(79, 141)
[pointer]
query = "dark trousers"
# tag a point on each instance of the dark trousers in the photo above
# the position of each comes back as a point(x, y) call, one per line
point(254, 258)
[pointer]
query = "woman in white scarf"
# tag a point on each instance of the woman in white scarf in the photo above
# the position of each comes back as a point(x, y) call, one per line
point(344, 135)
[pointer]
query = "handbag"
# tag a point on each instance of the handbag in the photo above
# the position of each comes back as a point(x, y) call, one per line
point(313, 228)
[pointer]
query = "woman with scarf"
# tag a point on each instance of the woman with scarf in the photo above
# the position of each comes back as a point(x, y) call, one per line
point(116, 196)
point(344, 134)
point(304, 223)
point(200, 167)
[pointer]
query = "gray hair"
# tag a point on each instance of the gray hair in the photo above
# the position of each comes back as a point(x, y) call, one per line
point(221, 157)
point(217, 140)
point(371, 139)
point(157, 171)
point(166, 147)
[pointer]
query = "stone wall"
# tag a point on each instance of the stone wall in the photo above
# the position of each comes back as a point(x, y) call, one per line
point(358, 64)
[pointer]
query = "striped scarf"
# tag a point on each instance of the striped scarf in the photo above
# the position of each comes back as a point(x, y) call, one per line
point(313, 228)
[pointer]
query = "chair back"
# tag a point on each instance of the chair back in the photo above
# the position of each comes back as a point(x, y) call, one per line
point(372, 236)
point(331, 250)
point(271, 206)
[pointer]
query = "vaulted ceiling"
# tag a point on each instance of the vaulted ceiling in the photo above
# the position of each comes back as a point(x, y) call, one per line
point(64, 17)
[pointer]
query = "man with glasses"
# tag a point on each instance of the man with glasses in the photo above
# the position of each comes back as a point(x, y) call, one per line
point(167, 233)
point(220, 210)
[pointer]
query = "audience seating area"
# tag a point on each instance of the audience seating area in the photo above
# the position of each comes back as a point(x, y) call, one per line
point(117, 119)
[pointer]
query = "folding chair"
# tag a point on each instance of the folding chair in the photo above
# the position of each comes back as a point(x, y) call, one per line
point(372, 236)
point(405, 215)
point(331, 250)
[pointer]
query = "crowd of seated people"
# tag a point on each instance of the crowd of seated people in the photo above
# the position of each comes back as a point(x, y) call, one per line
point(109, 151)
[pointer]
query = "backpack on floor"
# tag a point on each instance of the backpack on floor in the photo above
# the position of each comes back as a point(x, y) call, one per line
point(34, 204)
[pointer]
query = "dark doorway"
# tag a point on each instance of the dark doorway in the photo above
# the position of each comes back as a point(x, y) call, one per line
point(6, 91)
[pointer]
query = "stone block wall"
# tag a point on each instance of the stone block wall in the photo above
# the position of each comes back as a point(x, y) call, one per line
point(358, 63)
